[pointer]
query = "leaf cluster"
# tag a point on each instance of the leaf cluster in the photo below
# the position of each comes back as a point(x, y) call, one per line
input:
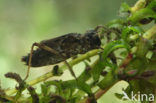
point(128, 53)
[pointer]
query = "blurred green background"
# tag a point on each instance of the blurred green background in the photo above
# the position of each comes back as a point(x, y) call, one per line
point(23, 22)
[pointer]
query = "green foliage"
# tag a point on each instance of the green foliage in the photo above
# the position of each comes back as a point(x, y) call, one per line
point(134, 67)
point(108, 80)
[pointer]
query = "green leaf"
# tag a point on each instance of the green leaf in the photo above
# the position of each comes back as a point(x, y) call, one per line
point(96, 71)
point(108, 80)
point(130, 30)
point(142, 86)
point(55, 83)
point(69, 84)
point(99, 67)
point(138, 87)
point(85, 75)
point(152, 5)
point(136, 66)
point(45, 89)
point(77, 84)
point(117, 23)
point(143, 47)
point(112, 46)
point(124, 11)
point(84, 87)
point(124, 7)
point(141, 14)
point(152, 67)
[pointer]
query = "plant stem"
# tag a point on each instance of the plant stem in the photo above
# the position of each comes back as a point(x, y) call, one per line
point(147, 35)
point(140, 4)
point(150, 33)
point(63, 67)
point(98, 94)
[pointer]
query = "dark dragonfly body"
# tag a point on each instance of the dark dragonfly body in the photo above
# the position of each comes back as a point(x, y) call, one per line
point(67, 46)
